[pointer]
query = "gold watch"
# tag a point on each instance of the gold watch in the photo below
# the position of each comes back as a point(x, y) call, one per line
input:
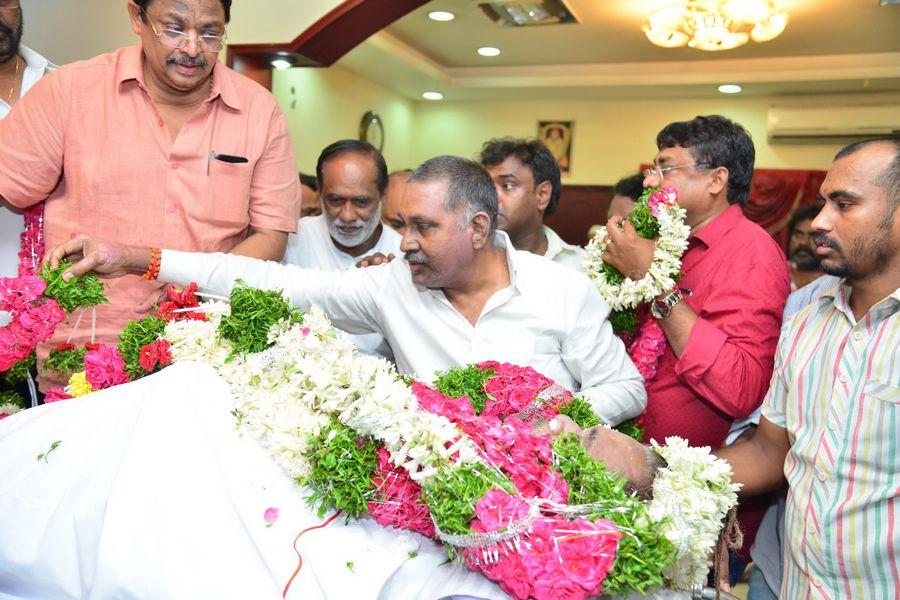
point(660, 308)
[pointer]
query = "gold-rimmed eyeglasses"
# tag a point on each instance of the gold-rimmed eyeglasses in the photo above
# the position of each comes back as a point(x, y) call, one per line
point(174, 38)
point(660, 172)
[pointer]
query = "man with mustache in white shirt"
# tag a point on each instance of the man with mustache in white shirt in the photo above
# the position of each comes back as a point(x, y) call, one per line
point(463, 294)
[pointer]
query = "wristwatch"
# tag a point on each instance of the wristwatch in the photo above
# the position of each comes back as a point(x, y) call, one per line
point(661, 307)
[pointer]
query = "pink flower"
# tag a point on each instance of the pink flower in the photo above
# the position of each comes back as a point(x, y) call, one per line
point(270, 516)
point(497, 509)
point(104, 367)
point(399, 499)
point(55, 395)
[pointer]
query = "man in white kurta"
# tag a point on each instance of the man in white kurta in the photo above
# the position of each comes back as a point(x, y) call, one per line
point(352, 175)
point(463, 294)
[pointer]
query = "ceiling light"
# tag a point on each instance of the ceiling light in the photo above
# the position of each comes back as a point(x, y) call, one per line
point(714, 24)
point(433, 96)
point(489, 51)
point(527, 13)
point(730, 88)
point(281, 64)
point(441, 15)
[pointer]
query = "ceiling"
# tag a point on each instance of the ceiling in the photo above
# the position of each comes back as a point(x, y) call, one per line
point(829, 46)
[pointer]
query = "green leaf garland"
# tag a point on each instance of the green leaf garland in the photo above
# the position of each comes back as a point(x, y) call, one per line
point(465, 381)
point(64, 362)
point(342, 467)
point(643, 554)
point(18, 373)
point(580, 411)
point(80, 292)
point(253, 312)
point(452, 493)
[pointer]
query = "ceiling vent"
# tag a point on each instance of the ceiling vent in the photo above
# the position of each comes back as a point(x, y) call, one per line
point(520, 13)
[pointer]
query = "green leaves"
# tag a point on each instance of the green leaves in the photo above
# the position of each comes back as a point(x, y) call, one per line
point(64, 362)
point(623, 320)
point(18, 373)
point(342, 467)
point(10, 397)
point(465, 381)
point(452, 493)
point(253, 312)
point(643, 554)
point(43, 456)
point(641, 217)
point(135, 336)
point(580, 411)
point(631, 429)
point(77, 293)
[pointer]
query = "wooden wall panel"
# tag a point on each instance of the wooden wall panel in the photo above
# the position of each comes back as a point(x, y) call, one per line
point(580, 207)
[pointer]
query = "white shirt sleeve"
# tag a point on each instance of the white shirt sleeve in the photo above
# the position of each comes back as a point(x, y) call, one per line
point(597, 358)
point(347, 297)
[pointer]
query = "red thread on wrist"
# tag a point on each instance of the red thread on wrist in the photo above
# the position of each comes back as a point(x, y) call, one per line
point(153, 270)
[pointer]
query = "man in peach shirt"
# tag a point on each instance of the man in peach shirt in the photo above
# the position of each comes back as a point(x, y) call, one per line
point(153, 144)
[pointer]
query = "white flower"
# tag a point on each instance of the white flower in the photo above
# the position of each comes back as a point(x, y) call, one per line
point(691, 497)
point(670, 246)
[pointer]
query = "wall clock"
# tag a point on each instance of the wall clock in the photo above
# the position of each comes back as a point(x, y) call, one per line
point(371, 130)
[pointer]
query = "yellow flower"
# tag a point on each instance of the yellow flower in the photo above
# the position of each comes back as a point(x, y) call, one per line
point(79, 385)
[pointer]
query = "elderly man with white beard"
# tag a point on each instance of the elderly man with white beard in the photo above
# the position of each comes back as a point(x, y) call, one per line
point(352, 177)
point(461, 294)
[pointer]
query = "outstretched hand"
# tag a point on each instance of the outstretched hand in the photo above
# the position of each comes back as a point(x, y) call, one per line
point(108, 259)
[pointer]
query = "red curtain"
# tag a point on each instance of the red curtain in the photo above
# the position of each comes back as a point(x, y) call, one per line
point(776, 193)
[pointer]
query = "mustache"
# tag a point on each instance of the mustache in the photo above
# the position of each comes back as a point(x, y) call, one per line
point(416, 258)
point(821, 239)
point(188, 61)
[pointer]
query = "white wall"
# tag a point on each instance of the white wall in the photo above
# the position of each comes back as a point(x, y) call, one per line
point(69, 30)
point(325, 105)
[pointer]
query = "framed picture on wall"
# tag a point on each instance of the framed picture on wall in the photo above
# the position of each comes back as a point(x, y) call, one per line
point(557, 136)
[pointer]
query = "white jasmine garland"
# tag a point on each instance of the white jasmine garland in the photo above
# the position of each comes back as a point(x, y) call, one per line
point(691, 497)
point(672, 242)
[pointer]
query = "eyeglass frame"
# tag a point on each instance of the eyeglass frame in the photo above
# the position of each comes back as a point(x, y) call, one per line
point(184, 36)
point(17, 6)
point(661, 171)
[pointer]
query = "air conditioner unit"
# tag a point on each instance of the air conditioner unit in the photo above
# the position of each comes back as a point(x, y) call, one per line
point(824, 124)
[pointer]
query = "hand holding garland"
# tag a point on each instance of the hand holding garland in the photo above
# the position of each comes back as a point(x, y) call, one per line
point(108, 259)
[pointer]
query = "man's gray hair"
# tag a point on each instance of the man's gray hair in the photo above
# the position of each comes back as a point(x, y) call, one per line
point(470, 189)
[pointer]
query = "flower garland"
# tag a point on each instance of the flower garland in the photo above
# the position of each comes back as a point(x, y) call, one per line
point(655, 213)
point(34, 318)
point(537, 515)
point(31, 249)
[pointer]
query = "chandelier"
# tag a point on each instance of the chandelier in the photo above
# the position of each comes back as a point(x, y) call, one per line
point(714, 24)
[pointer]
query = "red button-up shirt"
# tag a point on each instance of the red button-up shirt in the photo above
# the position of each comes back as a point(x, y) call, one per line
point(738, 281)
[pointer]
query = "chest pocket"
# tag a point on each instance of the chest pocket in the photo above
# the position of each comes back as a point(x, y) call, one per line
point(882, 391)
point(227, 199)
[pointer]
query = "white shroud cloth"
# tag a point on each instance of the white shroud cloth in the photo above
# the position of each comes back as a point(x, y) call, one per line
point(153, 493)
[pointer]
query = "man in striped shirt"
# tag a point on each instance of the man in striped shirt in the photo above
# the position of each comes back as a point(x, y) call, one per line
point(831, 418)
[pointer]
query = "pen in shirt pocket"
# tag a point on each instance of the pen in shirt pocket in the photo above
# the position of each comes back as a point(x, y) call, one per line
point(228, 158)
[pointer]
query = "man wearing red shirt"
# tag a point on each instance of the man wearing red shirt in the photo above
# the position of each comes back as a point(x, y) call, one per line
point(723, 319)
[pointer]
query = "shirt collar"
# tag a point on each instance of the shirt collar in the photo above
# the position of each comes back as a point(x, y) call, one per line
point(720, 226)
point(33, 60)
point(555, 244)
point(839, 296)
point(130, 68)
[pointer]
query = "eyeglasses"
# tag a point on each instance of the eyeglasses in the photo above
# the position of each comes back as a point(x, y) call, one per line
point(9, 5)
point(178, 40)
point(660, 172)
